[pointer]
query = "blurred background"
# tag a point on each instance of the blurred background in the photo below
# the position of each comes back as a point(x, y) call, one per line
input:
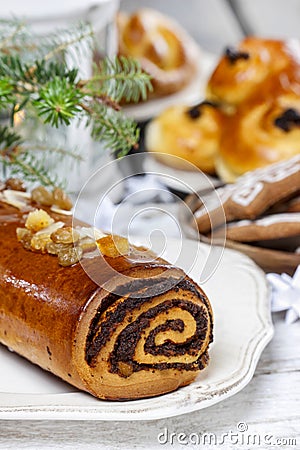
point(217, 23)
point(213, 23)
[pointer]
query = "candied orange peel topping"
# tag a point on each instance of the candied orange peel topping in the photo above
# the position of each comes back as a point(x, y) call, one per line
point(113, 246)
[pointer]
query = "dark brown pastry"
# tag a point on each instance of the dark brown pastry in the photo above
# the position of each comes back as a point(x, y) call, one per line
point(270, 227)
point(251, 195)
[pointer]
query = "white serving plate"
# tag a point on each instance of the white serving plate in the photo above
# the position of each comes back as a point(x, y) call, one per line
point(239, 295)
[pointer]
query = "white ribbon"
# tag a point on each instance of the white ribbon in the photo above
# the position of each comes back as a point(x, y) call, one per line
point(286, 294)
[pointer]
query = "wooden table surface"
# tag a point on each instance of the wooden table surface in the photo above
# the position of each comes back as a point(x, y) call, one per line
point(268, 406)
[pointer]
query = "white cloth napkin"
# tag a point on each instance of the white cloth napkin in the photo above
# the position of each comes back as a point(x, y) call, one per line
point(286, 294)
point(147, 206)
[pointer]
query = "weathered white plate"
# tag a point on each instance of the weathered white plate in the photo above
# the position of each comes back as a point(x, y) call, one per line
point(239, 294)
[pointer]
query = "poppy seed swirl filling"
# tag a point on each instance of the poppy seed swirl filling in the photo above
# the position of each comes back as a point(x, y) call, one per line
point(153, 332)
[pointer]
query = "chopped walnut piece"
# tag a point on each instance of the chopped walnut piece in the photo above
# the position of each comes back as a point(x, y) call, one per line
point(37, 220)
point(113, 246)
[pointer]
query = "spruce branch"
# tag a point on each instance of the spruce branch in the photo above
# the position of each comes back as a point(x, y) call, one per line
point(118, 133)
point(24, 158)
point(72, 37)
point(120, 78)
point(13, 37)
point(46, 149)
point(9, 140)
point(17, 38)
point(34, 76)
point(58, 102)
point(27, 165)
point(13, 30)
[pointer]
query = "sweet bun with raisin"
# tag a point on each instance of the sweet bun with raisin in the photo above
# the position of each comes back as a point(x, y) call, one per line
point(255, 137)
point(256, 67)
point(164, 50)
point(192, 134)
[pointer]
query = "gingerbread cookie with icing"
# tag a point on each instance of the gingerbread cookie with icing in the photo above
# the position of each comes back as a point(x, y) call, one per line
point(275, 226)
point(294, 205)
point(251, 195)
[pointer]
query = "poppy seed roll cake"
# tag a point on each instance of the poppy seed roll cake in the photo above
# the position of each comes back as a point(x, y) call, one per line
point(141, 330)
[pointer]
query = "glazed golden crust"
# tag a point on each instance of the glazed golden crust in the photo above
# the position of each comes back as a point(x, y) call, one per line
point(60, 319)
point(192, 134)
point(162, 47)
point(256, 69)
point(255, 137)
